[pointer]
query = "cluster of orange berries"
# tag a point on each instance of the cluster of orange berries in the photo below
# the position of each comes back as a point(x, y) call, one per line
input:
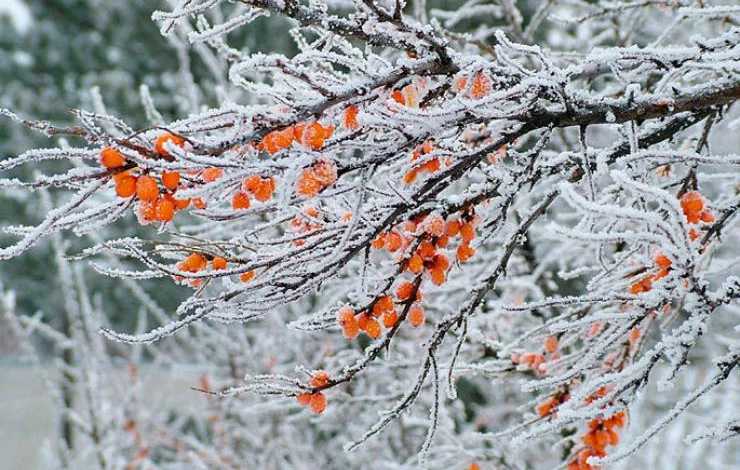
point(481, 86)
point(601, 433)
point(155, 203)
point(310, 135)
point(369, 320)
point(432, 165)
point(196, 262)
point(695, 209)
point(318, 176)
point(260, 188)
point(550, 405)
point(645, 284)
point(317, 400)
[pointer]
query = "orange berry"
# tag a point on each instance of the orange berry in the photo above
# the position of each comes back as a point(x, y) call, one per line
point(416, 316)
point(706, 216)
point(126, 186)
point(393, 241)
point(264, 191)
point(199, 203)
point(482, 85)
point(240, 200)
point(247, 276)
point(662, 261)
point(218, 263)
point(164, 138)
point(440, 261)
point(635, 334)
point(397, 96)
point(147, 189)
point(452, 228)
point(434, 225)
point(320, 378)
point(362, 320)
point(692, 202)
point(303, 398)
point(308, 185)
point(379, 242)
point(372, 329)
point(318, 402)
point(325, 172)
point(382, 305)
point(252, 183)
point(416, 264)
point(442, 241)
point(426, 249)
point(437, 276)
point(170, 179)
point(411, 176)
point(643, 285)
point(474, 466)
point(147, 210)
point(544, 408)
point(111, 158)
point(212, 174)
point(465, 252)
point(551, 344)
point(165, 210)
point(348, 322)
point(467, 231)
point(350, 118)
point(195, 262)
point(390, 319)
point(405, 290)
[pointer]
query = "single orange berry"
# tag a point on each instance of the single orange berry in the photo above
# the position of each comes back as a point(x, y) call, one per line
point(320, 378)
point(442, 241)
point(382, 305)
point(147, 189)
point(467, 231)
point(163, 139)
point(303, 398)
point(218, 263)
point(212, 174)
point(551, 344)
point(372, 329)
point(393, 241)
point(405, 290)
point(126, 186)
point(111, 158)
point(416, 316)
point(165, 210)
point(452, 228)
point(416, 264)
point(199, 203)
point(465, 252)
point(318, 402)
point(437, 276)
point(264, 190)
point(252, 183)
point(350, 118)
point(390, 319)
point(240, 200)
point(170, 179)
point(247, 276)
point(662, 261)
point(147, 210)
point(362, 321)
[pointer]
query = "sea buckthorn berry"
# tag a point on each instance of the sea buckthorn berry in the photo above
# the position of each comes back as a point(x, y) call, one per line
point(348, 322)
point(163, 139)
point(442, 241)
point(426, 249)
point(437, 276)
point(308, 185)
point(170, 179)
point(390, 319)
point(194, 262)
point(467, 231)
point(198, 203)
point(264, 190)
point(440, 261)
point(393, 241)
point(482, 85)
point(405, 290)
point(643, 285)
point(416, 316)
point(218, 263)
point(303, 398)
point(350, 118)
point(181, 203)
point(706, 216)
point(111, 158)
point(551, 344)
point(434, 225)
point(362, 320)
point(416, 264)
point(545, 408)
point(474, 466)
point(320, 378)
point(252, 183)
point(211, 174)
point(126, 186)
point(318, 403)
point(165, 210)
point(379, 242)
point(662, 261)
point(452, 228)
point(247, 276)
point(147, 210)
point(147, 189)
point(465, 252)
point(382, 305)
point(240, 200)
point(372, 328)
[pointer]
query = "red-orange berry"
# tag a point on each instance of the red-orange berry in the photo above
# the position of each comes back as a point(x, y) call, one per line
point(126, 186)
point(416, 316)
point(111, 158)
point(170, 179)
point(212, 174)
point(372, 328)
point(218, 263)
point(165, 210)
point(303, 398)
point(240, 200)
point(247, 276)
point(147, 189)
point(164, 138)
point(318, 402)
